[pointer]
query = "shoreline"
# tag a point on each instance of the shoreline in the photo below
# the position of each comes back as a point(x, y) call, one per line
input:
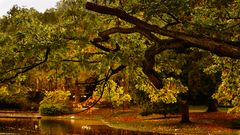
point(130, 119)
point(19, 114)
point(201, 122)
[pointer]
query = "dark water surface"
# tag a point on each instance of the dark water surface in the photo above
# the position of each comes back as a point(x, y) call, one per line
point(19, 126)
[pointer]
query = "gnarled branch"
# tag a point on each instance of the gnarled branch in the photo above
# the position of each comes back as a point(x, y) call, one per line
point(221, 48)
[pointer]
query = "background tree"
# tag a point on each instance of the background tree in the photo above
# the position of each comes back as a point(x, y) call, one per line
point(50, 49)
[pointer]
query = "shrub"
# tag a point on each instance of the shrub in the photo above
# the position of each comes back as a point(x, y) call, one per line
point(55, 103)
point(13, 98)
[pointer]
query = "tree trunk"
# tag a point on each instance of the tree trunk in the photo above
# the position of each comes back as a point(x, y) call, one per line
point(185, 112)
point(77, 88)
point(212, 105)
point(125, 87)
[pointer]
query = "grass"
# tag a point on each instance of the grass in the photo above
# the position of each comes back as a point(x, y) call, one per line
point(201, 122)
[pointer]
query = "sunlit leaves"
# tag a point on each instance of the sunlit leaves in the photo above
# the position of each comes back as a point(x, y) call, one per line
point(3, 92)
point(229, 90)
point(55, 103)
point(114, 93)
point(168, 94)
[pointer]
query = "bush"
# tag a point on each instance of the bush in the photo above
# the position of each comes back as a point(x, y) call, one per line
point(52, 110)
point(55, 103)
point(13, 98)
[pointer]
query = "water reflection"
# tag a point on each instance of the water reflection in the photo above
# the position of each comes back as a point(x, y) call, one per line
point(59, 127)
point(16, 125)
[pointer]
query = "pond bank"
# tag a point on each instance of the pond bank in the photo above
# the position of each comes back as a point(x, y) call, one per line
point(202, 122)
point(19, 114)
point(130, 119)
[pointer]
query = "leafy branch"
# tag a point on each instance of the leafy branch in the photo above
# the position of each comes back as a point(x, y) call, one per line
point(108, 75)
point(27, 68)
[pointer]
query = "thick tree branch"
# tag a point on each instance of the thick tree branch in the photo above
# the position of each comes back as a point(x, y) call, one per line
point(104, 36)
point(218, 47)
point(25, 69)
point(111, 72)
point(96, 42)
point(117, 30)
point(149, 62)
point(150, 53)
point(180, 40)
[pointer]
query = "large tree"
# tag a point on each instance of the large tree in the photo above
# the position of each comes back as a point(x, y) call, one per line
point(179, 25)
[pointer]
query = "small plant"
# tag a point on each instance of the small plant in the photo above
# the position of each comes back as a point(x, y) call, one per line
point(55, 103)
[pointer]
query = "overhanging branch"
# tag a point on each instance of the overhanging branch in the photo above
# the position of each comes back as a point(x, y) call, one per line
point(221, 48)
point(25, 69)
point(176, 40)
point(150, 53)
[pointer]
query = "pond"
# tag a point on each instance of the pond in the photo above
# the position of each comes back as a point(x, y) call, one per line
point(30, 126)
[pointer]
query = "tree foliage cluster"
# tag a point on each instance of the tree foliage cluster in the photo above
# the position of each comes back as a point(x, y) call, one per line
point(55, 103)
point(51, 51)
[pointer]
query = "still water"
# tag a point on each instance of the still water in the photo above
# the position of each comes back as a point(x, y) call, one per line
point(19, 126)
